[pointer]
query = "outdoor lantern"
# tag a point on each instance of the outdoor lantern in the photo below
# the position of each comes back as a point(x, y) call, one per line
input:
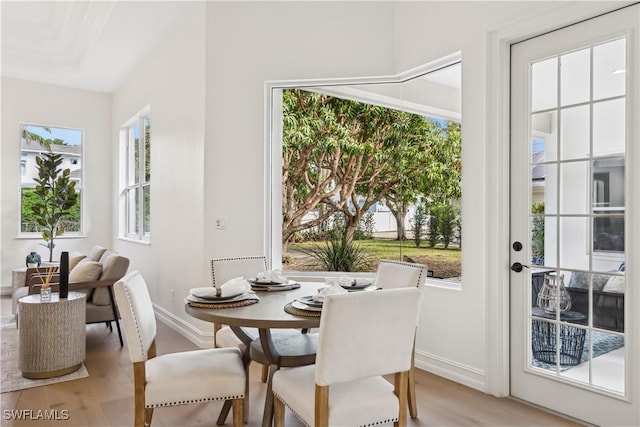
point(553, 295)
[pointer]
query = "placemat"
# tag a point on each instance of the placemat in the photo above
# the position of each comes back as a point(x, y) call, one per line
point(297, 312)
point(233, 304)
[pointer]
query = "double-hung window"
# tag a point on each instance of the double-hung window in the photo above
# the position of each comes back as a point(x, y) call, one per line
point(135, 162)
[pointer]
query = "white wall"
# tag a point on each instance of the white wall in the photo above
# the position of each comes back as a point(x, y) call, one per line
point(248, 44)
point(172, 81)
point(27, 102)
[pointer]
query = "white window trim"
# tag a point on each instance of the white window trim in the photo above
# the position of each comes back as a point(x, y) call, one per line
point(273, 153)
point(124, 186)
point(25, 235)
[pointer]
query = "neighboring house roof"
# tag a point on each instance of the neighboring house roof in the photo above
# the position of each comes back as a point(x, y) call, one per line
point(60, 149)
point(537, 170)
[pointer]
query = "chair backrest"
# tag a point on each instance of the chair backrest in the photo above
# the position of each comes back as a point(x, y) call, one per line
point(136, 312)
point(364, 334)
point(225, 269)
point(397, 274)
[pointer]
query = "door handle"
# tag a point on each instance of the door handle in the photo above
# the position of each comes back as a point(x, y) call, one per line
point(517, 267)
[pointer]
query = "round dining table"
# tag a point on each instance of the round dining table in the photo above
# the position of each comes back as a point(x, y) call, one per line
point(272, 348)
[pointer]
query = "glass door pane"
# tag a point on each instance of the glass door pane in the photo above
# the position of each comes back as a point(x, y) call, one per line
point(577, 133)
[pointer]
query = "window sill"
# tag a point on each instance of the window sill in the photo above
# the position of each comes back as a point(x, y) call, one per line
point(453, 285)
point(138, 241)
point(320, 276)
point(38, 236)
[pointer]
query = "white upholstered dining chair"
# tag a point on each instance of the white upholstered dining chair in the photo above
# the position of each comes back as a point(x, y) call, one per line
point(178, 378)
point(397, 274)
point(223, 270)
point(345, 387)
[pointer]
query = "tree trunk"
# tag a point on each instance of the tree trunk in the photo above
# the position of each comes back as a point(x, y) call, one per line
point(350, 225)
point(400, 214)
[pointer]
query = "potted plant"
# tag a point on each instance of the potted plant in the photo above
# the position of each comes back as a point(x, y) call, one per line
point(57, 195)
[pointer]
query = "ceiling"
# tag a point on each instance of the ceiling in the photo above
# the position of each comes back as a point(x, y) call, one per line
point(91, 45)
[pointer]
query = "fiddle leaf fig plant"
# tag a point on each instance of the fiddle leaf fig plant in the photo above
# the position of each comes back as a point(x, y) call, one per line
point(56, 197)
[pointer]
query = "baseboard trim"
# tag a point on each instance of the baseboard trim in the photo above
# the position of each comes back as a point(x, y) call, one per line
point(184, 328)
point(451, 370)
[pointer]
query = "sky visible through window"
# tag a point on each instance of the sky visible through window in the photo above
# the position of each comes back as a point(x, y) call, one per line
point(70, 136)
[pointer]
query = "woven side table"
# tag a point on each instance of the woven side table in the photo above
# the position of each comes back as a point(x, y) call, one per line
point(18, 278)
point(52, 335)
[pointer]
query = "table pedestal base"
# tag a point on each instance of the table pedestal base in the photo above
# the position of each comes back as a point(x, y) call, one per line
point(51, 374)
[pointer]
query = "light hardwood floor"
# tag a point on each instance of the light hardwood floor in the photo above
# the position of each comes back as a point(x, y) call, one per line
point(105, 398)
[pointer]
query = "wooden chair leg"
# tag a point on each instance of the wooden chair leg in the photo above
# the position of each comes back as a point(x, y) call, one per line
point(148, 414)
point(413, 406)
point(278, 412)
point(401, 382)
point(322, 406)
point(138, 386)
point(238, 412)
point(224, 412)
point(265, 373)
point(139, 417)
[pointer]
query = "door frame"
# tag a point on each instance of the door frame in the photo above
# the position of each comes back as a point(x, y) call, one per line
point(498, 175)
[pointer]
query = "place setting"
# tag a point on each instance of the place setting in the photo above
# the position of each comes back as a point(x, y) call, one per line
point(272, 281)
point(236, 292)
point(311, 305)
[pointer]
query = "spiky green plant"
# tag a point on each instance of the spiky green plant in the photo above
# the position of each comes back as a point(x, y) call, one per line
point(336, 254)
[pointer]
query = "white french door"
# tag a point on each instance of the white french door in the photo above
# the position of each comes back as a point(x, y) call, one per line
point(574, 214)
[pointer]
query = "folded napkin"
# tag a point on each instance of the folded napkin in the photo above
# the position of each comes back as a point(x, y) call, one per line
point(331, 289)
point(274, 276)
point(232, 287)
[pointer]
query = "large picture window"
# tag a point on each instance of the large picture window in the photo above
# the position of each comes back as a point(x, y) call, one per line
point(369, 172)
point(36, 141)
point(136, 179)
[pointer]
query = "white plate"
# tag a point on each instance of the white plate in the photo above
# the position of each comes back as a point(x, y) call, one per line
point(259, 282)
point(302, 306)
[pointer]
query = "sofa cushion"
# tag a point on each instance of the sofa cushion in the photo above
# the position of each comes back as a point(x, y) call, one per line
point(96, 253)
point(114, 267)
point(75, 258)
point(581, 280)
point(614, 284)
point(85, 271)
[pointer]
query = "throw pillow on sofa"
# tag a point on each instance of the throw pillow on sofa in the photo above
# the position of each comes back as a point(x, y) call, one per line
point(75, 258)
point(581, 280)
point(614, 284)
point(114, 267)
point(85, 271)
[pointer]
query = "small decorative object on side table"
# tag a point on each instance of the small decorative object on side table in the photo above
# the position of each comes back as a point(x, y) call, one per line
point(64, 274)
point(34, 259)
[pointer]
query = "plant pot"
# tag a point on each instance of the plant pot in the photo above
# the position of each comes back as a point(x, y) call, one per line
point(32, 265)
point(33, 258)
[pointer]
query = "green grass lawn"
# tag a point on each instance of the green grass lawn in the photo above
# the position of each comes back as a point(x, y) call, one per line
point(444, 262)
